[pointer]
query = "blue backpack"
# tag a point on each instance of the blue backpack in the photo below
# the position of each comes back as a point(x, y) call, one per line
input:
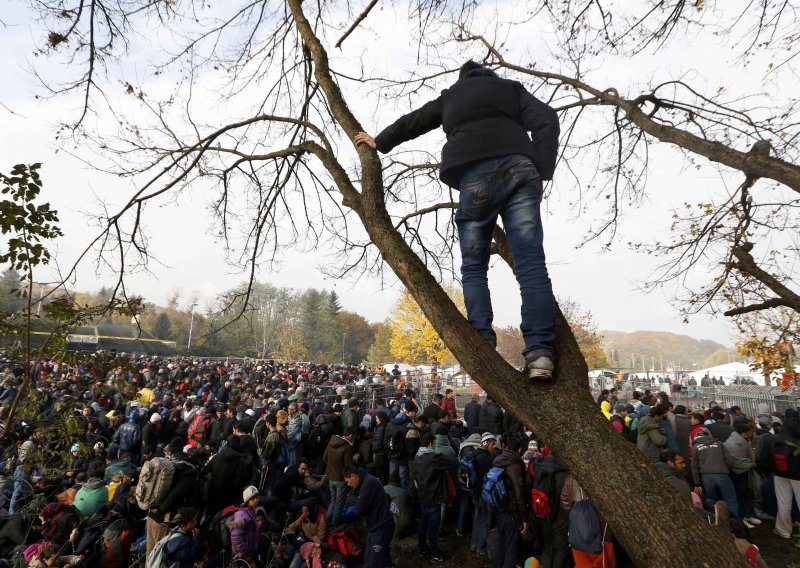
point(585, 532)
point(467, 476)
point(284, 457)
point(494, 493)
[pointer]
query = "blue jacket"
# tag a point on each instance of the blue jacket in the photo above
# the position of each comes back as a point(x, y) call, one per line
point(372, 503)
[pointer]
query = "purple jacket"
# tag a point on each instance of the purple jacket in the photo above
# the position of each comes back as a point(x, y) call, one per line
point(244, 533)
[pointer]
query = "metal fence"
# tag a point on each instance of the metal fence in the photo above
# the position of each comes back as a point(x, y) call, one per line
point(752, 399)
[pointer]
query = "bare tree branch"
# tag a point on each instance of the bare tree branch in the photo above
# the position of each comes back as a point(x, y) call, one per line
point(357, 21)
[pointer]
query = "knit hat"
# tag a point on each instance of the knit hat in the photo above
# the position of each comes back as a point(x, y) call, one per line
point(249, 492)
point(75, 448)
point(155, 418)
point(486, 437)
point(765, 420)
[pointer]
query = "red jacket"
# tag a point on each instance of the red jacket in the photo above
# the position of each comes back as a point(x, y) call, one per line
point(449, 406)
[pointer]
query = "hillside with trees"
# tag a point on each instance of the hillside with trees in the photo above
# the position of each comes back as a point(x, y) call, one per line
point(663, 350)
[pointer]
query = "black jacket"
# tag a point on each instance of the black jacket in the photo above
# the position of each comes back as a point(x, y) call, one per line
point(491, 418)
point(483, 117)
point(395, 425)
point(226, 475)
point(472, 413)
point(430, 471)
point(514, 474)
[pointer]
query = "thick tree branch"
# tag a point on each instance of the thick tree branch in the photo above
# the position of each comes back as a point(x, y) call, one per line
point(751, 164)
point(746, 264)
point(765, 305)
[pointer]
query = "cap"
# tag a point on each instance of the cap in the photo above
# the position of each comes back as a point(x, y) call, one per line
point(250, 412)
point(156, 417)
point(75, 448)
point(486, 437)
point(249, 492)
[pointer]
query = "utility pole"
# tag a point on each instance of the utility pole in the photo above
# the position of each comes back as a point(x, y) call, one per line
point(191, 328)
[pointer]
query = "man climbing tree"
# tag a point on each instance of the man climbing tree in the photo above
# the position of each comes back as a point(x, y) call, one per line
point(498, 170)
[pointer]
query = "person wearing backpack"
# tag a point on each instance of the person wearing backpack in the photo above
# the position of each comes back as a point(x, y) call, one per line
point(784, 452)
point(274, 455)
point(182, 547)
point(184, 490)
point(430, 481)
point(552, 520)
point(395, 443)
point(512, 522)
point(244, 526)
point(481, 520)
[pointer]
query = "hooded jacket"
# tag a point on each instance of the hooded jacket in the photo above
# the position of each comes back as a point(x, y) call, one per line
point(514, 469)
point(739, 452)
point(650, 440)
point(399, 422)
point(472, 413)
point(244, 532)
point(708, 456)
point(483, 116)
point(430, 471)
point(337, 456)
point(129, 435)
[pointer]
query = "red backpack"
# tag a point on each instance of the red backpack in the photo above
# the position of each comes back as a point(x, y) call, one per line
point(346, 542)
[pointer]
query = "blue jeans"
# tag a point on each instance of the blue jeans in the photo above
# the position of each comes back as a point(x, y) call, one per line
point(430, 516)
point(22, 489)
point(719, 486)
point(510, 187)
point(401, 465)
point(480, 526)
point(338, 492)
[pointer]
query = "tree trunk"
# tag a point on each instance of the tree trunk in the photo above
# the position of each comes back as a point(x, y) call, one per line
point(661, 531)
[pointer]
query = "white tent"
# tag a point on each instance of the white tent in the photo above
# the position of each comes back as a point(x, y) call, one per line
point(729, 372)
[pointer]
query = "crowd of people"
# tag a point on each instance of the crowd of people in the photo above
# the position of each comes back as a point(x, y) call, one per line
point(120, 461)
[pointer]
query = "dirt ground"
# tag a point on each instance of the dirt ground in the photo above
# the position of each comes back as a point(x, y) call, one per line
point(777, 552)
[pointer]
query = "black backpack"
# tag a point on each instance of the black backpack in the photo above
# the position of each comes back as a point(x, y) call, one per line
point(396, 439)
point(545, 494)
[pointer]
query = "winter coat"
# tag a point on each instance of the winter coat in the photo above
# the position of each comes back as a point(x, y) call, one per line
point(721, 430)
point(378, 442)
point(739, 452)
point(400, 422)
point(491, 418)
point(129, 436)
point(650, 440)
point(297, 428)
point(151, 435)
point(472, 412)
point(708, 456)
point(514, 469)
point(683, 425)
point(185, 491)
point(226, 475)
point(337, 456)
point(372, 502)
point(432, 412)
point(430, 476)
point(483, 116)
point(244, 533)
point(90, 496)
point(314, 529)
point(449, 406)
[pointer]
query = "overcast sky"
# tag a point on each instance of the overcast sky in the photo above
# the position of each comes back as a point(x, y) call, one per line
point(605, 282)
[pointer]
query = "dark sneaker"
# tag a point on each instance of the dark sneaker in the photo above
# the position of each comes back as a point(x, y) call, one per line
point(541, 368)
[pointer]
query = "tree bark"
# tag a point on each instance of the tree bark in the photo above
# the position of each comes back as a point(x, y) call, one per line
point(661, 530)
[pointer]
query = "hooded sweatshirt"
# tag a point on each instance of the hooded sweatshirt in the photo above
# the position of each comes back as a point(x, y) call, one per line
point(650, 440)
point(708, 456)
point(337, 456)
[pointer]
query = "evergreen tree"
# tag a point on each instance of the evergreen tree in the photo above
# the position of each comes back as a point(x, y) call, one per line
point(162, 328)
